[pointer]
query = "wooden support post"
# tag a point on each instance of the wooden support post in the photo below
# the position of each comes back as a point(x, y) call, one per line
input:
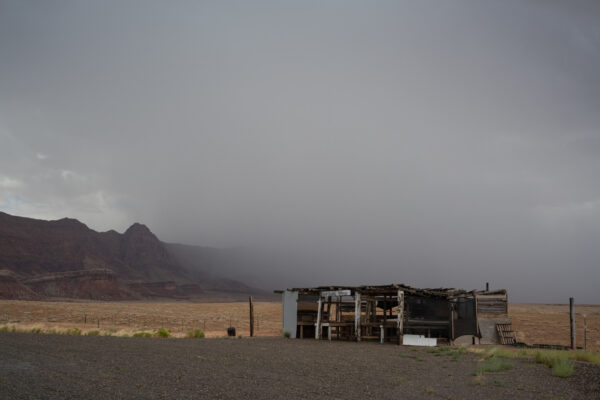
point(318, 324)
point(487, 286)
point(381, 334)
point(368, 329)
point(357, 316)
point(452, 326)
point(572, 315)
point(251, 316)
point(400, 315)
point(338, 316)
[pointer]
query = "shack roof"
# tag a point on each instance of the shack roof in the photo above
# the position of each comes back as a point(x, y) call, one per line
point(392, 289)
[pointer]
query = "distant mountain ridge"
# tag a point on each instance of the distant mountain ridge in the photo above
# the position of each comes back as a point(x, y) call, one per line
point(65, 258)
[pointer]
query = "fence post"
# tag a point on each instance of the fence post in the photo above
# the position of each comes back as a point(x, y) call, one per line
point(572, 318)
point(251, 317)
point(584, 332)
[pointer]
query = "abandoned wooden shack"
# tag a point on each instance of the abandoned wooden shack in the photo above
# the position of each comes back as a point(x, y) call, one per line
point(386, 313)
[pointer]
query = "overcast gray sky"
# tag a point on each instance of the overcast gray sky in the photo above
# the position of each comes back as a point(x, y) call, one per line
point(431, 143)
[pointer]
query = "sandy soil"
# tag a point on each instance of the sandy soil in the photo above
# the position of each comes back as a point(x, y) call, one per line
point(72, 367)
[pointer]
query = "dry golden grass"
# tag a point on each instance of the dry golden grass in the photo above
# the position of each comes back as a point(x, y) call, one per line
point(128, 317)
point(549, 324)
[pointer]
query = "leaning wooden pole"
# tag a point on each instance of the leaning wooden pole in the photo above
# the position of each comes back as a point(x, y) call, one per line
point(572, 315)
point(400, 315)
point(318, 325)
point(357, 315)
point(251, 316)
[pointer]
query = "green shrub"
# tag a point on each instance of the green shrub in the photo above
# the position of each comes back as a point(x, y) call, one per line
point(287, 335)
point(195, 333)
point(73, 331)
point(142, 334)
point(460, 350)
point(93, 333)
point(494, 364)
point(544, 357)
point(558, 361)
point(549, 358)
point(163, 333)
point(563, 368)
point(35, 330)
point(240, 336)
point(4, 328)
point(500, 353)
point(585, 356)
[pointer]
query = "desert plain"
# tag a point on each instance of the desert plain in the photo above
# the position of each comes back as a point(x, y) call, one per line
point(534, 323)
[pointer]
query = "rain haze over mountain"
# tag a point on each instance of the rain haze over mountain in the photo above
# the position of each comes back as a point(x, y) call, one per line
point(429, 143)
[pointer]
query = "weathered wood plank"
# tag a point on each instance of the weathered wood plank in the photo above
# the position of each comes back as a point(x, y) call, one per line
point(400, 315)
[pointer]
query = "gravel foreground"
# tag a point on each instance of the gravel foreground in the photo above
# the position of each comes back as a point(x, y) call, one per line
point(36, 366)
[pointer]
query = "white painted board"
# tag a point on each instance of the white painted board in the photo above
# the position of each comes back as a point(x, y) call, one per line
point(290, 312)
point(335, 293)
point(418, 340)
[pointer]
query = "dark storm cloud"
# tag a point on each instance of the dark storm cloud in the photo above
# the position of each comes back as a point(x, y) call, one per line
point(437, 144)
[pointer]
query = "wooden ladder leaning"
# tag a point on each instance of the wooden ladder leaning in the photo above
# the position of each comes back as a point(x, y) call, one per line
point(506, 333)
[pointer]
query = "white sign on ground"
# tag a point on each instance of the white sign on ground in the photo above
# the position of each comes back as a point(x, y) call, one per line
point(418, 340)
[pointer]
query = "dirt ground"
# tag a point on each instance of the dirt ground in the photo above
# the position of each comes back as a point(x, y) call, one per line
point(534, 323)
point(34, 366)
